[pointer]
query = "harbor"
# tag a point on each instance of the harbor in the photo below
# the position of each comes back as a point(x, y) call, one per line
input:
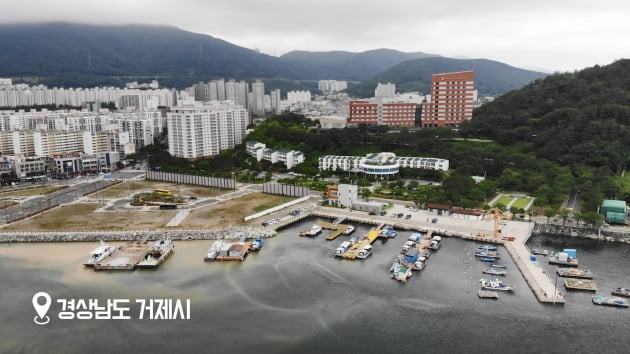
point(513, 238)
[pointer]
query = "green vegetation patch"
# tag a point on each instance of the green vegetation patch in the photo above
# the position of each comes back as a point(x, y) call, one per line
point(504, 200)
point(521, 203)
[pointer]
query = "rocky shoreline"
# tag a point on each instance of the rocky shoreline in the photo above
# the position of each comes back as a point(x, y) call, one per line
point(112, 236)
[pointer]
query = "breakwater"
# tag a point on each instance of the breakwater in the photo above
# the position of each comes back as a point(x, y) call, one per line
point(92, 236)
point(602, 234)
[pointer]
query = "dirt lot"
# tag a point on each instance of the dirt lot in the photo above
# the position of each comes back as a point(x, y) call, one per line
point(82, 216)
point(127, 188)
point(29, 192)
point(232, 212)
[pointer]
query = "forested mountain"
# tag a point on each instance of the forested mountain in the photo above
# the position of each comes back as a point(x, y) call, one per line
point(491, 77)
point(65, 54)
point(580, 118)
point(347, 65)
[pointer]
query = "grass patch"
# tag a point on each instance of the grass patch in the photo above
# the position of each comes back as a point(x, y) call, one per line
point(504, 199)
point(521, 203)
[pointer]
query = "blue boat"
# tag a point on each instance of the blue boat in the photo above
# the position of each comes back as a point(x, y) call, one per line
point(486, 259)
point(487, 248)
point(498, 265)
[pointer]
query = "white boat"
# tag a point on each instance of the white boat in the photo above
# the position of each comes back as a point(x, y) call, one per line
point(495, 285)
point(314, 231)
point(419, 264)
point(349, 230)
point(365, 252)
point(345, 245)
point(436, 242)
point(99, 253)
point(157, 253)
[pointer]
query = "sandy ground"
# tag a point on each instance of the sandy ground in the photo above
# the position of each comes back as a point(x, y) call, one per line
point(85, 217)
point(231, 212)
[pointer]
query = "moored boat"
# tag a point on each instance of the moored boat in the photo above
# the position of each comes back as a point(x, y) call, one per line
point(498, 265)
point(256, 245)
point(567, 257)
point(349, 230)
point(388, 232)
point(485, 294)
point(314, 231)
point(494, 271)
point(487, 254)
point(345, 245)
point(436, 242)
point(487, 248)
point(625, 292)
point(609, 301)
point(365, 252)
point(495, 285)
point(157, 253)
point(99, 253)
point(540, 252)
point(574, 273)
point(486, 259)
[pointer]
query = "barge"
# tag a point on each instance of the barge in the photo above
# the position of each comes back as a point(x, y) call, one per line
point(580, 284)
point(157, 253)
point(574, 273)
point(227, 251)
point(126, 257)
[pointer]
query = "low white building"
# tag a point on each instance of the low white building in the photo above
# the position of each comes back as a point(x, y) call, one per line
point(380, 164)
point(290, 158)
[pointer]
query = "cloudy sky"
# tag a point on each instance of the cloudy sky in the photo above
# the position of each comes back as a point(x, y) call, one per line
point(555, 35)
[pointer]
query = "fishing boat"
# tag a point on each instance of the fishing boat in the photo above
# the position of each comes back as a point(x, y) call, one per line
point(574, 273)
point(494, 271)
point(540, 252)
point(401, 273)
point(99, 253)
point(365, 252)
point(498, 265)
point(436, 242)
point(625, 292)
point(388, 232)
point(345, 245)
point(349, 230)
point(419, 264)
point(495, 285)
point(487, 254)
point(256, 245)
point(487, 248)
point(157, 253)
point(486, 259)
point(609, 301)
point(314, 231)
point(567, 257)
point(415, 237)
point(485, 294)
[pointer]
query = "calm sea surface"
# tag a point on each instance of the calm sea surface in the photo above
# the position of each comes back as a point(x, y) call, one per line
point(294, 297)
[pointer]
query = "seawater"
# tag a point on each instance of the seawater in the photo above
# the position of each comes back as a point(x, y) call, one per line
point(295, 297)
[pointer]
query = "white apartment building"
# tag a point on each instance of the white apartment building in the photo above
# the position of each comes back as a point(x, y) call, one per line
point(294, 97)
point(205, 129)
point(380, 164)
point(385, 90)
point(331, 86)
point(290, 158)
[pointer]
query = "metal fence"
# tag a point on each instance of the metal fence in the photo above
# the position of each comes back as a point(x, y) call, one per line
point(227, 183)
point(285, 189)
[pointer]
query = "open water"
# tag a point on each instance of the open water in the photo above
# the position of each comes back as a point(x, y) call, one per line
point(294, 297)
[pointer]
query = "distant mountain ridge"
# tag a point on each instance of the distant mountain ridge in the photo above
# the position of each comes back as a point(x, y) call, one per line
point(67, 54)
point(348, 65)
point(491, 77)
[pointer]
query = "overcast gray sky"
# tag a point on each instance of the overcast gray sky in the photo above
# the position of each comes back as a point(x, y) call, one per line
point(557, 35)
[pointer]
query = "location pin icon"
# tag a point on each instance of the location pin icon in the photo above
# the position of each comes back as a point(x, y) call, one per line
point(41, 309)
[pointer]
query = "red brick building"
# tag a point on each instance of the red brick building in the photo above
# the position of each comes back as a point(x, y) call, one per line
point(452, 99)
point(399, 114)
